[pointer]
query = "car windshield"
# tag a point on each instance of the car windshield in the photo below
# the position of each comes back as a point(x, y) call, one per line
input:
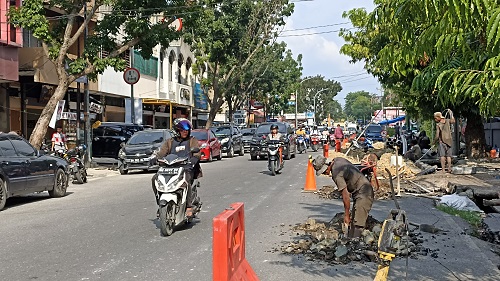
point(146, 137)
point(374, 129)
point(247, 132)
point(222, 131)
point(199, 135)
point(265, 129)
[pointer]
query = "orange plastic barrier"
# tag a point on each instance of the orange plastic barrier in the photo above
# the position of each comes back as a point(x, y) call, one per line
point(338, 145)
point(228, 242)
point(325, 150)
point(310, 185)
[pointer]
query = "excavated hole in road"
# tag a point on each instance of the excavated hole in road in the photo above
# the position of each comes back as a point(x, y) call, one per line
point(324, 241)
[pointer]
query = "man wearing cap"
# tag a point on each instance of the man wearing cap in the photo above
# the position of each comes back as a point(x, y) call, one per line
point(350, 181)
point(443, 136)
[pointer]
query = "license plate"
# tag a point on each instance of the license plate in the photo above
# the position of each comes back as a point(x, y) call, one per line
point(169, 171)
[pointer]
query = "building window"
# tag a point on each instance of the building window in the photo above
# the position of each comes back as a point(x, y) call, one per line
point(171, 60)
point(180, 62)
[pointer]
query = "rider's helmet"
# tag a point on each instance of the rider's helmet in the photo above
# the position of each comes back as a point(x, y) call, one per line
point(182, 124)
point(273, 126)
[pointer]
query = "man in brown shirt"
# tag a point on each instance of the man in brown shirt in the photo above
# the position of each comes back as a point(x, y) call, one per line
point(443, 136)
point(350, 181)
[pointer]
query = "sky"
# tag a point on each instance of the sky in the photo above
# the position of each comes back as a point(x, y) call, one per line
point(321, 51)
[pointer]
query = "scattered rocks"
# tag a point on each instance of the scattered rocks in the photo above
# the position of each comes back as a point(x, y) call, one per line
point(321, 241)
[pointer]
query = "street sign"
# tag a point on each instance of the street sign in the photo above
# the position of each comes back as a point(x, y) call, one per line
point(131, 75)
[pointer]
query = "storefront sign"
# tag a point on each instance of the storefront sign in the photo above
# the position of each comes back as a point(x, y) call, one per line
point(69, 115)
point(200, 99)
point(95, 107)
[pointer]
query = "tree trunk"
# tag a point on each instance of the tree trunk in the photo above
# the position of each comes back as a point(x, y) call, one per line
point(42, 124)
point(230, 111)
point(474, 136)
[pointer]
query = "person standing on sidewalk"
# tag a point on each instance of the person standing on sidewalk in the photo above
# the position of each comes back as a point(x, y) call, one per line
point(443, 136)
point(59, 140)
point(349, 181)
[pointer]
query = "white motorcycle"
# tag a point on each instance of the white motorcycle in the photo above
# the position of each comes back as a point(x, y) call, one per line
point(172, 188)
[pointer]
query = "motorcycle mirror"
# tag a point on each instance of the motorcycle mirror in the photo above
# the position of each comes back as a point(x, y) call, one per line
point(122, 144)
point(195, 150)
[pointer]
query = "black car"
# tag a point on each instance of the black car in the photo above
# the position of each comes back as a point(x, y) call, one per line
point(230, 139)
point(107, 138)
point(137, 153)
point(258, 146)
point(247, 136)
point(374, 132)
point(24, 170)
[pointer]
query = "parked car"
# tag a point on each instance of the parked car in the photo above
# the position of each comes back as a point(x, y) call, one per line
point(140, 149)
point(374, 132)
point(230, 139)
point(258, 147)
point(24, 170)
point(210, 146)
point(247, 135)
point(107, 138)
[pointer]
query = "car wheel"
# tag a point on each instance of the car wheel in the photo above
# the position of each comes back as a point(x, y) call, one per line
point(123, 171)
point(60, 184)
point(253, 157)
point(210, 157)
point(230, 153)
point(3, 194)
point(242, 150)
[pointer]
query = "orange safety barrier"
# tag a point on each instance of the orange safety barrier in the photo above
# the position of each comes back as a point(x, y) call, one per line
point(228, 242)
point(338, 145)
point(310, 185)
point(325, 150)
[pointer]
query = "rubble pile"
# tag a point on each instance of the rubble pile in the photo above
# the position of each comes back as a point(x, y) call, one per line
point(486, 234)
point(379, 145)
point(320, 241)
point(329, 192)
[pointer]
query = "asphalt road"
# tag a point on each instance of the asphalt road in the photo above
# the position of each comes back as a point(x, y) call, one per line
point(107, 230)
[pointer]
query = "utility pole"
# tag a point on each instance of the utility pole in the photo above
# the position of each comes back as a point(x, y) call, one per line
point(132, 103)
point(297, 99)
point(88, 132)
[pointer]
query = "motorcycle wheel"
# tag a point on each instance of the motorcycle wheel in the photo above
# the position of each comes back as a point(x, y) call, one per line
point(315, 147)
point(78, 177)
point(272, 167)
point(84, 175)
point(230, 153)
point(123, 171)
point(167, 219)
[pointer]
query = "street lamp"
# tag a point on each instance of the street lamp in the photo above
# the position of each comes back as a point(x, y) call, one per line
point(315, 95)
point(297, 99)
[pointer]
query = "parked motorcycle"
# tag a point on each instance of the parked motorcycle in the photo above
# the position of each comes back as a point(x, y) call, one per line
point(274, 156)
point(332, 140)
point(364, 144)
point(74, 157)
point(301, 144)
point(315, 142)
point(172, 188)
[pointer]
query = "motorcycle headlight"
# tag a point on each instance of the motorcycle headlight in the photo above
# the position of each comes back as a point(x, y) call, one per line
point(205, 145)
point(121, 154)
point(224, 140)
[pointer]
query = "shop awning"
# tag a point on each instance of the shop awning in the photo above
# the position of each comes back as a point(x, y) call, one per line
point(156, 101)
point(397, 119)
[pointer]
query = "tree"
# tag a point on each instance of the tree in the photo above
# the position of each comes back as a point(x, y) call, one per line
point(228, 38)
point(115, 27)
point(324, 101)
point(360, 105)
point(438, 54)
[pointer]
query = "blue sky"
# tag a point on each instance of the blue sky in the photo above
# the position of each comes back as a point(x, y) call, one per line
point(321, 51)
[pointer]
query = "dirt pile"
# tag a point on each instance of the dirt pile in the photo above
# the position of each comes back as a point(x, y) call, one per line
point(321, 241)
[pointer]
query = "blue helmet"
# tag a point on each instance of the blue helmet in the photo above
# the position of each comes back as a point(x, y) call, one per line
point(182, 124)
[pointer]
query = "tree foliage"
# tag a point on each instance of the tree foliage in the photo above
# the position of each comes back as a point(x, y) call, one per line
point(114, 27)
point(360, 105)
point(434, 54)
point(325, 103)
point(228, 38)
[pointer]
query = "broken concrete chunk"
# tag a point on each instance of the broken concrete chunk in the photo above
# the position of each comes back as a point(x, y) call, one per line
point(340, 251)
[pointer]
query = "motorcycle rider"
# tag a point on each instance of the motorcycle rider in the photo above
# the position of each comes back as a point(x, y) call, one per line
point(181, 145)
point(275, 135)
point(315, 131)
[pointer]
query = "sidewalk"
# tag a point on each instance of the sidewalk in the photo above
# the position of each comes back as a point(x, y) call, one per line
point(453, 254)
point(101, 172)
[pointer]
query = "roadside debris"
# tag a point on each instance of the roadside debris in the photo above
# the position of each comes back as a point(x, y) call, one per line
point(320, 241)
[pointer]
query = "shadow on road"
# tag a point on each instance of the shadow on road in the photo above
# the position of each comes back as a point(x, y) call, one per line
point(18, 201)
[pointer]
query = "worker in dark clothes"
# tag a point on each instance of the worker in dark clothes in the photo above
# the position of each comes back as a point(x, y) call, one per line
point(350, 181)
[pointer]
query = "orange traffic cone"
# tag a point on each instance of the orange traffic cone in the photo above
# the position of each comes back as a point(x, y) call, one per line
point(310, 185)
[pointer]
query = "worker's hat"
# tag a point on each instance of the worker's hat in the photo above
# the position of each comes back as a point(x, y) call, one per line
point(319, 164)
